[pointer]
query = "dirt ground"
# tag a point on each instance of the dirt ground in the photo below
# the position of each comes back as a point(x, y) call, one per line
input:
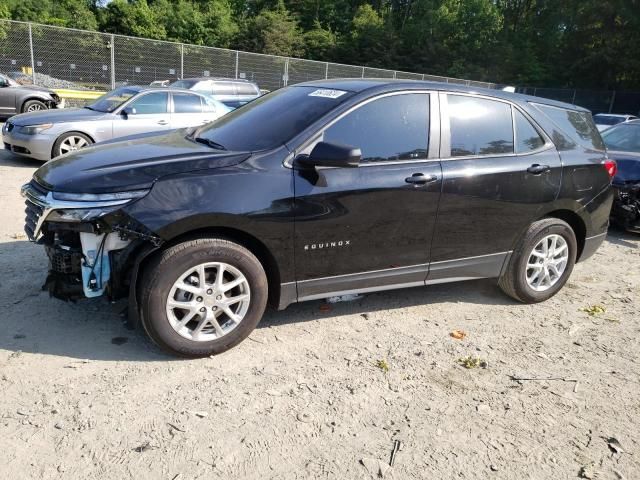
point(320, 392)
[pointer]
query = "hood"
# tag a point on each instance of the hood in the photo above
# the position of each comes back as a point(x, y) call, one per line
point(33, 88)
point(131, 164)
point(628, 167)
point(58, 116)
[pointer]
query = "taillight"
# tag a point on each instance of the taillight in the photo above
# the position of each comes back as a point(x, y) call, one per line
point(612, 167)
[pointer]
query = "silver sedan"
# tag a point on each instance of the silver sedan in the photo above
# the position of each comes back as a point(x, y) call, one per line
point(122, 112)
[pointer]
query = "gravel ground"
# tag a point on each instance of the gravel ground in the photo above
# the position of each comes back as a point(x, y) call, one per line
point(323, 391)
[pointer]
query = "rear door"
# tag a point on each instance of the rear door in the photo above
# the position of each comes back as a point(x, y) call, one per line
point(499, 171)
point(370, 227)
point(149, 112)
point(187, 110)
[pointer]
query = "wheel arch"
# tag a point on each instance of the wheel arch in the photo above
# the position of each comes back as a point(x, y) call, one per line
point(29, 98)
point(576, 223)
point(241, 237)
point(89, 136)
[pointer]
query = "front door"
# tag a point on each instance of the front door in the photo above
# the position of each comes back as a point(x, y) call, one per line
point(370, 227)
point(148, 113)
point(7, 97)
point(496, 181)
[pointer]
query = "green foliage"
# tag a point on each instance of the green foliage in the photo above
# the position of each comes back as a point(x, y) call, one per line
point(568, 43)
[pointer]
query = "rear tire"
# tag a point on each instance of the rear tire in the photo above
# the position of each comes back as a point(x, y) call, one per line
point(542, 263)
point(33, 106)
point(206, 325)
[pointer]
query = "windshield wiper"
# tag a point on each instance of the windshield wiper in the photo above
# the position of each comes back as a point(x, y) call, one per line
point(210, 143)
point(89, 108)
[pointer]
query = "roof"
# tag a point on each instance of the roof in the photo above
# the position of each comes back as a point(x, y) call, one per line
point(358, 85)
point(151, 88)
point(218, 79)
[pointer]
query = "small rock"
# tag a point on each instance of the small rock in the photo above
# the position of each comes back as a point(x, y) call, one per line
point(59, 426)
point(483, 409)
point(201, 414)
point(304, 417)
point(493, 468)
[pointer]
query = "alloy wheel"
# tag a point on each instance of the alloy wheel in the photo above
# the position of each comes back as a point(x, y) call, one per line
point(208, 301)
point(34, 107)
point(72, 143)
point(547, 262)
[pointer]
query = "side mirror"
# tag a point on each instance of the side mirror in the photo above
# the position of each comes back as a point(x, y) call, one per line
point(326, 154)
point(128, 111)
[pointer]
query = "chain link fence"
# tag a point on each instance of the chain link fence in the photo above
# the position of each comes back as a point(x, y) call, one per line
point(598, 101)
point(58, 57)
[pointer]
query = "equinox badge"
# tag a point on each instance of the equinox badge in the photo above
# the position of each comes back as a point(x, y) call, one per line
point(320, 246)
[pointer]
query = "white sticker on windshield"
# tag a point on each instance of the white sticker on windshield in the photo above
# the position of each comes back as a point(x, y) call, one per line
point(326, 93)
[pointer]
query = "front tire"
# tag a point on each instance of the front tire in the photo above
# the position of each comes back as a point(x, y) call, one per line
point(70, 142)
point(33, 106)
point(542, 263)
point(202, 297)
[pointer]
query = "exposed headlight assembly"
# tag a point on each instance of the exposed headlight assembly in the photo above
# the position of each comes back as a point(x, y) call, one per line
point(35, 129)
point(84, 207)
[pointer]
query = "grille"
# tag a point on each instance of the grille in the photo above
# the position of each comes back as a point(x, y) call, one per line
point(33, 214)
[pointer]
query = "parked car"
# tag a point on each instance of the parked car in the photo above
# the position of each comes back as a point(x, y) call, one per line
point(121, 112)
point(607, 120)
point(160, 83)
point(623, 143)
point(16, 98)
point(232, 92)
point(369, 184)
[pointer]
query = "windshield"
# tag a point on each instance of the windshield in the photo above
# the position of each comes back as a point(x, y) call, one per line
point(112, 100)
point(273, 119)
point(623, 138)
point(184, 84)
point(607, 119)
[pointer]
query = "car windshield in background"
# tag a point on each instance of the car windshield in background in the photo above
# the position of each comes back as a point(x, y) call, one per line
point(273, 119)
point(607, 119)
point(623, 138)
point(184, 84)
point(112, 100)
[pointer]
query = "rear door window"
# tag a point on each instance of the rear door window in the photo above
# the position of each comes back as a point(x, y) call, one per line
point(577, 125)
point(186, 103)
point(246, 89)
point(527, 137)
point(224, 88)
point(387, 129)
point(479, 126)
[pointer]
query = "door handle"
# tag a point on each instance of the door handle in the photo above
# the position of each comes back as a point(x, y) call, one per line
point(538, 169)
point(421, 179)
point(163, 122)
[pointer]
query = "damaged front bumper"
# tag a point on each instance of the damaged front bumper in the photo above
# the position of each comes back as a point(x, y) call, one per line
point(626, 206)
point(90, 242)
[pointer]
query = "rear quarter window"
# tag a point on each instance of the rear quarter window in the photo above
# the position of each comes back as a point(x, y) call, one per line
point(246, 89)
point(577, 125)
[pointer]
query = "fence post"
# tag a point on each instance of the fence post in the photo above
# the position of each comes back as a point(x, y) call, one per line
point(113, 61)
point(362, 72)
point(33, 62)
point(573, 99)
point(613, 99)
point(237, 62)
point(394, 74)
point(181, 61)
point(285, 77)
point(423, 77)
point(326, 70)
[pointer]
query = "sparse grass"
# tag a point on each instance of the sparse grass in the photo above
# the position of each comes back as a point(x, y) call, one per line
point(382, 365)
point(472, 362)
point(594, 310)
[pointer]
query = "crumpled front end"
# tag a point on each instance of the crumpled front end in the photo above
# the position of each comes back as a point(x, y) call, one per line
point(91, 244)
point(626, 206)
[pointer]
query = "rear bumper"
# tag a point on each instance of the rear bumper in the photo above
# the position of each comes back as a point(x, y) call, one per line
point(591, 244)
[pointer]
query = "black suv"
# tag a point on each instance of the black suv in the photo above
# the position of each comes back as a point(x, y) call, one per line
point(319, 190)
